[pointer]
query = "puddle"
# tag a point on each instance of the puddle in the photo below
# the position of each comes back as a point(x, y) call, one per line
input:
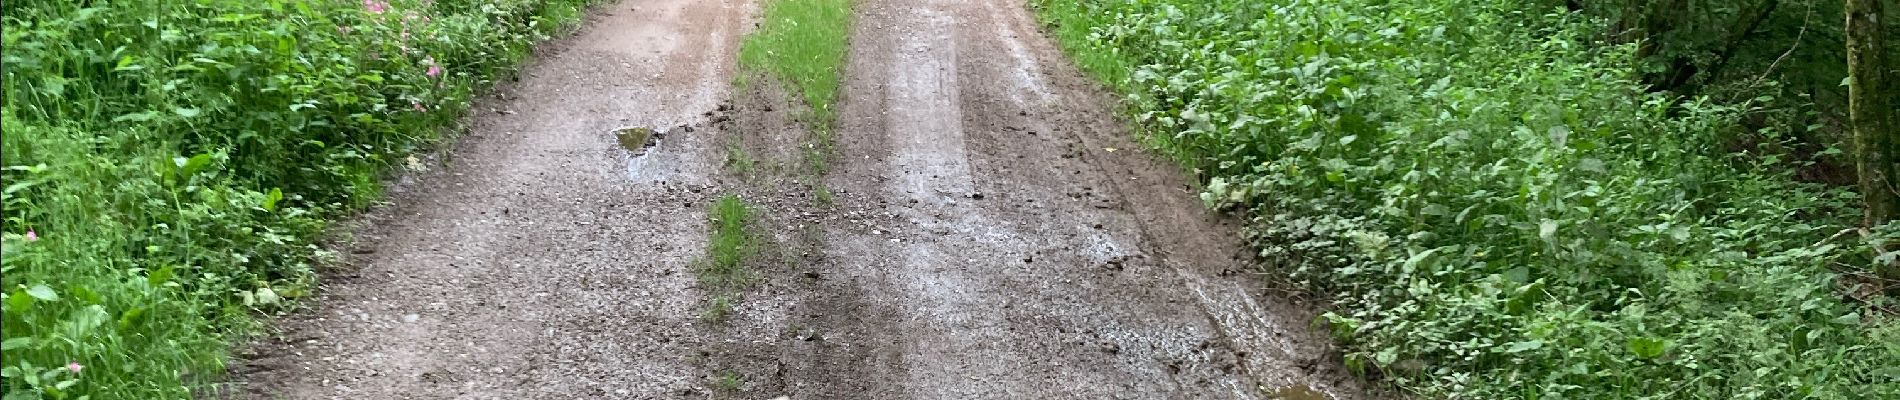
point(1299, 392)
point(638, 140)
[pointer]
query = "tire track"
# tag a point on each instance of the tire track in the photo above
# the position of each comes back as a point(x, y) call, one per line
point(543, 261)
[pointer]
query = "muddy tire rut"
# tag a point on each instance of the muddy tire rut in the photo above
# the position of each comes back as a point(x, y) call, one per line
point(988, 229)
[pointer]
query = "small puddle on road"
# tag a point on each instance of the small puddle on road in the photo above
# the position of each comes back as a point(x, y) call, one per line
point(639, 142)
point(1299, 392)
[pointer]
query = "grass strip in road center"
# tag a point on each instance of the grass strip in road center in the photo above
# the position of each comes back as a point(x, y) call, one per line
point(723, 274)
point(802, 42)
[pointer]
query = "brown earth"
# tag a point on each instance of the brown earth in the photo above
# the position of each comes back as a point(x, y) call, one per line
point(983, 228)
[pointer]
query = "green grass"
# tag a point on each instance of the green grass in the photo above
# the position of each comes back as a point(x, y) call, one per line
point(729, 382)
point(823, 195)
point(802, 43)
point(170, 165)
point(739, 161)
point(718, 308)
point(723, 274)
point(1494, 207)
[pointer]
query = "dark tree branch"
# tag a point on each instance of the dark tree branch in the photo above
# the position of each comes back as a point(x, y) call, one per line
point(1748, 27)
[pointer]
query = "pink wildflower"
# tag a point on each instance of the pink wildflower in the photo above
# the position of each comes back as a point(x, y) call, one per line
point(30, 236)
point(74, 366)
point(434, 70)
point(375, 6)
point(419, 107)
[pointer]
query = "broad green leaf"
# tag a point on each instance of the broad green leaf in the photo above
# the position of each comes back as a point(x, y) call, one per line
point(131, 318)
point(136, 117)
point(1645, 347)
point(42, 292)
point(85, 320)
point(266, 296)
point(15, 343)
point(158, 277)
point(271, 199)
point(19, 301)
point(1519, 274)
point(1386, 356)
point(190, 166)
point(128, 63)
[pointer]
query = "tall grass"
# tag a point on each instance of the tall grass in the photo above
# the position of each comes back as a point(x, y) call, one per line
point(1495, 208)
point(801, 43)
point(168, 165)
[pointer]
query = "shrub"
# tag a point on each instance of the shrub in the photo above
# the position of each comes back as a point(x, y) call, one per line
point(168, 165)
point(1496, 209)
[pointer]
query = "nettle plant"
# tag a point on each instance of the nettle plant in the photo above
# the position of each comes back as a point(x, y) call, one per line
point(168, 165)
point(1497, 210)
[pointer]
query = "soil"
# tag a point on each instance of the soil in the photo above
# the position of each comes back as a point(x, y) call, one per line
point(983, 226)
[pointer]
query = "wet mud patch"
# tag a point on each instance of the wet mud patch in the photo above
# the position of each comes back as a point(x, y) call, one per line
point(659, 155)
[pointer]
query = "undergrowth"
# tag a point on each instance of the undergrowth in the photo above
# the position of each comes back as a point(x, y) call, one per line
point(169, 165)
point(1496, 209)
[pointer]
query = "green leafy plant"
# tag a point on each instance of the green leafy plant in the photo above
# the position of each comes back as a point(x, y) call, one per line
point(168, 166)
point(1495, 206)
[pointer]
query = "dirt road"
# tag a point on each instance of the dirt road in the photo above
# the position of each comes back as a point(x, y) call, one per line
point(995, 233)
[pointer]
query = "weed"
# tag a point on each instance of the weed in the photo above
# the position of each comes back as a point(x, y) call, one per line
point(823, 195)
point(729, 382)
point(738, 160)
point(718, 308)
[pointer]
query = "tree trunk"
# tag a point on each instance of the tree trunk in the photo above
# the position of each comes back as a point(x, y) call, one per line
point(1871, 114)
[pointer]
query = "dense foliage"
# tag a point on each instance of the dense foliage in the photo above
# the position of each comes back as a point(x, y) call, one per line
point(168, 164)
point(1498, 204)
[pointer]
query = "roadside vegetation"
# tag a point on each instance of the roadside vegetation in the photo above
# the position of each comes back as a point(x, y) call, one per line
point(170, 165)
point(1533, 199)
